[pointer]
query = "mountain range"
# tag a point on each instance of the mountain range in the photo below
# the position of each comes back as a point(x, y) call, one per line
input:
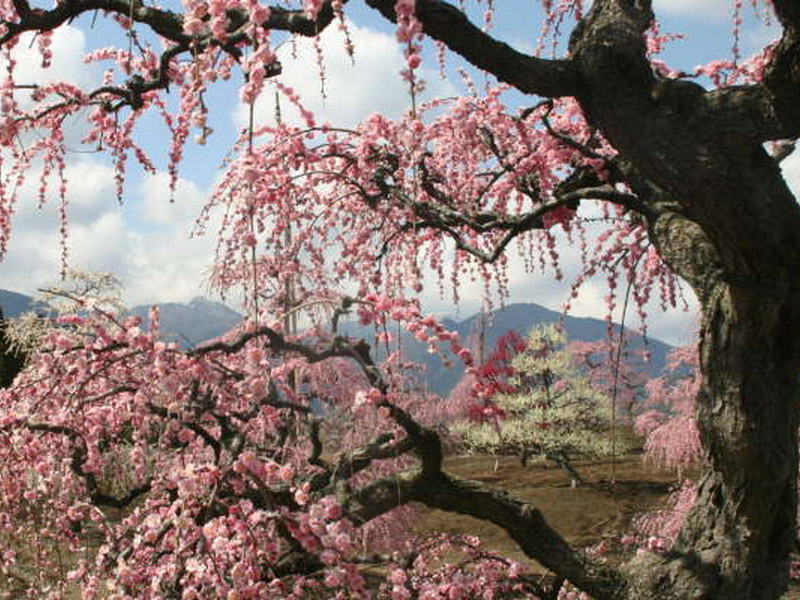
point(14, 304)
point(201, 319)
point(443, 371)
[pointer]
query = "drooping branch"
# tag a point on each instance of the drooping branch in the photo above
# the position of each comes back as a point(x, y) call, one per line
point(441, 212)
point(200, 431)
point(452, 222)
point(168, 25)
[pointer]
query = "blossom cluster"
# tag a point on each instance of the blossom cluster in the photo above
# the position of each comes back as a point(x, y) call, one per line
point(202, 452)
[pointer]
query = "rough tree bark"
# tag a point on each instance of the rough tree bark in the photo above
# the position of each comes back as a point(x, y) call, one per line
point(726, 222)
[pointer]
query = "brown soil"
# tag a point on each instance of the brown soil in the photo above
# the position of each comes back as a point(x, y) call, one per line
point(586, 515)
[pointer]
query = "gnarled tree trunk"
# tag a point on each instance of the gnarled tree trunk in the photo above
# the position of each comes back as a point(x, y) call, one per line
point(725, 221)
point(742, 530)
point(737, 540)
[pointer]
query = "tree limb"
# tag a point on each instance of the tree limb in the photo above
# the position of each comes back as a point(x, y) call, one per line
point(450, 221)
point(79, 456)
point(521, 520)
point(788, 12)
point(444, 22)
point(165, 23)
point(168, 25)
point(382, 448)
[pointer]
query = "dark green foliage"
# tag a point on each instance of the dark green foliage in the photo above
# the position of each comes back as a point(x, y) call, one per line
point(12, 361)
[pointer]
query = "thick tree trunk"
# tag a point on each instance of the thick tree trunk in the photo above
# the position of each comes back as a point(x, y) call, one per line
point(737, 540)
point(744, 521)
point(725, 221)
point(743, 266)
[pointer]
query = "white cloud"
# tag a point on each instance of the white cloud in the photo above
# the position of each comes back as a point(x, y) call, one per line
point(68, 46)
point(183, 209)
point(96, 230)
point(354, 88)
point(708, 10)
point(90, 191)
point(156, 260)
point(167, 264)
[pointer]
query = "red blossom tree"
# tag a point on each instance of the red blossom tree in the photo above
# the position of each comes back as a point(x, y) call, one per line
point(217, 496)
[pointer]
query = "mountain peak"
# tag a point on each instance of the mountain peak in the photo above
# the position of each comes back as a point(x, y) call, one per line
point(192, 323)
point(200, 301)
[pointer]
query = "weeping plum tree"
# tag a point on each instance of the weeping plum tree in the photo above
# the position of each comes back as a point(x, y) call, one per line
point(222, 497)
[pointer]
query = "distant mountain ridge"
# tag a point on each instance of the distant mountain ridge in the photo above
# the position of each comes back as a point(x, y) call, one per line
point(14, 304)
point(200, 320)
point(443, 375)
point(189, 324)
point(192, 323)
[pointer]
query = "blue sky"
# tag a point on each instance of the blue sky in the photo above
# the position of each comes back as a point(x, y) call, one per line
point(146, 241)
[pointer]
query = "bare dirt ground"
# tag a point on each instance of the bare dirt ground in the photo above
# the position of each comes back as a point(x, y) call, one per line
point(585, 516)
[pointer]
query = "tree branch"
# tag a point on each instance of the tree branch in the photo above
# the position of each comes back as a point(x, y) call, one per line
point(449, 221)
point(349, 464)
point(782, 77)
point(444, 22)
point(521, 520)
point(769, 110)
point(79, 456)
point(166, 24)
point(788, 12)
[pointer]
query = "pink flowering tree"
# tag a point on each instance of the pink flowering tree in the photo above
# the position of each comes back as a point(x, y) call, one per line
point(215, 496)
point(136, 469)
point(668, 422)
point(616, 370)
point(671, 441)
